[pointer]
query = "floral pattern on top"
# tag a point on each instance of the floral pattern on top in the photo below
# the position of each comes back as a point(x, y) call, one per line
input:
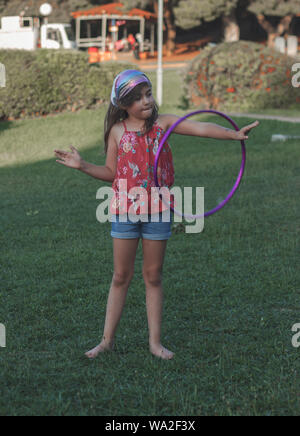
point(135, 173)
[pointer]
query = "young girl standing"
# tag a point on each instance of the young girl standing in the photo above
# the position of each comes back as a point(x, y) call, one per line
point(133, 129)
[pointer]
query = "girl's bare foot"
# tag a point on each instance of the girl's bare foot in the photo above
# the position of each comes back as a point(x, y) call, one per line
point(160, 351)
point(104, 346)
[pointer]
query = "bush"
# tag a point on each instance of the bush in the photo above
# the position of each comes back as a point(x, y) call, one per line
point(48, 81)
point(240, 76)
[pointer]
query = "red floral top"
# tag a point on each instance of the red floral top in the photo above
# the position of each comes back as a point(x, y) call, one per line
point(135, 170)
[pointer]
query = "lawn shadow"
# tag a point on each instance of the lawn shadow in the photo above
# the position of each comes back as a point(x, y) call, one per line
point(6, 125)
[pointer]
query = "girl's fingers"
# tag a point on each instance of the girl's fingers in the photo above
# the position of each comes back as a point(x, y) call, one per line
point(65, 153)
point(256, 123)
point(60, 153)
point(60, 161)
point(250, 127)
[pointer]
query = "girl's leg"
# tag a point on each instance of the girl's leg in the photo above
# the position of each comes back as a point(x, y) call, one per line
point(124, 258)
point(153, 254)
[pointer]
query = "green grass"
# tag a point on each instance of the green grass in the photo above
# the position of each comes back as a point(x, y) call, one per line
point(231, 292)
point(293, 111)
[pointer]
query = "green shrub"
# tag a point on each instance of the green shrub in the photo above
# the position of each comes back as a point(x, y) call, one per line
point(48, 81)
point(240, 76)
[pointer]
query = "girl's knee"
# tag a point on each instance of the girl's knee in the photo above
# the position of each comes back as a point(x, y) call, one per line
point(152, 277)
point(122, 278)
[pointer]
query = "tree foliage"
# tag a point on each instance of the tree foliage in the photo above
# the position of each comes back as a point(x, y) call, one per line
point(54, 81)
point(284, 9)
point(191, 13)
point(142, 4)
point(240, 76)
point(61, 8)
point(279, 8)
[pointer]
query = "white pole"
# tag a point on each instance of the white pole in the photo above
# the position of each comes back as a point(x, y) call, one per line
point(160, 53)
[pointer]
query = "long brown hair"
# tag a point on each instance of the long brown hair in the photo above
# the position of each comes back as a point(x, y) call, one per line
point(116, 114)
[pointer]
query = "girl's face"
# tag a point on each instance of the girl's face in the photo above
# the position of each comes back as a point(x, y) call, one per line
point(143, 105)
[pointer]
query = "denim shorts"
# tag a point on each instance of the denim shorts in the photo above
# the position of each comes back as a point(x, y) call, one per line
point(146, 227)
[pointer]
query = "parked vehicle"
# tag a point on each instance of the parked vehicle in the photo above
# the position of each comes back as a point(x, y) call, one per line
point(27, 34)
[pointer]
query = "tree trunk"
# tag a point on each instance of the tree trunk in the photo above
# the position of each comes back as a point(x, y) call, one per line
point(231, 28)
point(284, 25)
point(171, 28)
point(170, 25)
point(271, 31)
point(281, 29)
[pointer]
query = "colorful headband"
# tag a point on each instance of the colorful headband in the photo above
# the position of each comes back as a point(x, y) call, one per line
point(125, 82)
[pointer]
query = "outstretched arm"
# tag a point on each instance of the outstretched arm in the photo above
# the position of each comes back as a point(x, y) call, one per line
point(72, 159)
point(207, 130)
point(105, 172)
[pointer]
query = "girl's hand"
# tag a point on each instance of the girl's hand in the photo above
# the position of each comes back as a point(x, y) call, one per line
point(69, 159)
point(243, 133)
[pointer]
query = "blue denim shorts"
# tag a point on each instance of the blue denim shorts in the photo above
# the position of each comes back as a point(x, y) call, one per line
point(146, 227)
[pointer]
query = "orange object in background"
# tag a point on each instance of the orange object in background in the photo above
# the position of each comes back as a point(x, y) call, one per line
point(107, 56)
point(143, 55)
point(94, 55)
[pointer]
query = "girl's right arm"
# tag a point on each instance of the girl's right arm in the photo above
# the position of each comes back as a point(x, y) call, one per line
point(74, 160)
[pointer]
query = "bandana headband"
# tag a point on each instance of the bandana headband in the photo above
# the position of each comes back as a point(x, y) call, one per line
point(125, 82)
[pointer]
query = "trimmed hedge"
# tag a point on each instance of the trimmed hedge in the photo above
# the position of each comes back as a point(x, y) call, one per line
point(49, 81)
point(240, 76)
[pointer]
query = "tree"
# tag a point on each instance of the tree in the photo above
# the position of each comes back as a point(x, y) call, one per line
point(61, 8)
point(191, 13)
point(284, 9)
point(2, 5)
point(168, 17)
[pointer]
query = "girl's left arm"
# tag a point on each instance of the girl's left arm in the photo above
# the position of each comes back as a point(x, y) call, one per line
point(206, 130)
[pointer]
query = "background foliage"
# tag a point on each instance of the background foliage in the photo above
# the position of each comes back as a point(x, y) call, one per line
point(240, 76)
point(53, 81)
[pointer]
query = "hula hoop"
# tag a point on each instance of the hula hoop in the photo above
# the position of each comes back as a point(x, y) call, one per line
point(238, 180)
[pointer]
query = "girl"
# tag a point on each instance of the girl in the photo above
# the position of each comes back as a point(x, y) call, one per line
point(132, 132)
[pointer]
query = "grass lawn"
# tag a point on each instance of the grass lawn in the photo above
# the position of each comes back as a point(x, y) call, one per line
point(293, 111)
point(231, 292)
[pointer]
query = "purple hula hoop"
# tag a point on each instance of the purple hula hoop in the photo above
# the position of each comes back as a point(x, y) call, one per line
point(241, 172)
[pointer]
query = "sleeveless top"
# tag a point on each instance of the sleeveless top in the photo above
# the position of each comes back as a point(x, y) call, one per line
point(135, 170)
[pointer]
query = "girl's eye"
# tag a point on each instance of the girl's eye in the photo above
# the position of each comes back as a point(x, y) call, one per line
point(139, 97)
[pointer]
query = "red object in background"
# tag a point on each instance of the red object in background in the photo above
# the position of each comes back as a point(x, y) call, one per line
point(93, 50)
point(131, 40)
point(94, 55)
